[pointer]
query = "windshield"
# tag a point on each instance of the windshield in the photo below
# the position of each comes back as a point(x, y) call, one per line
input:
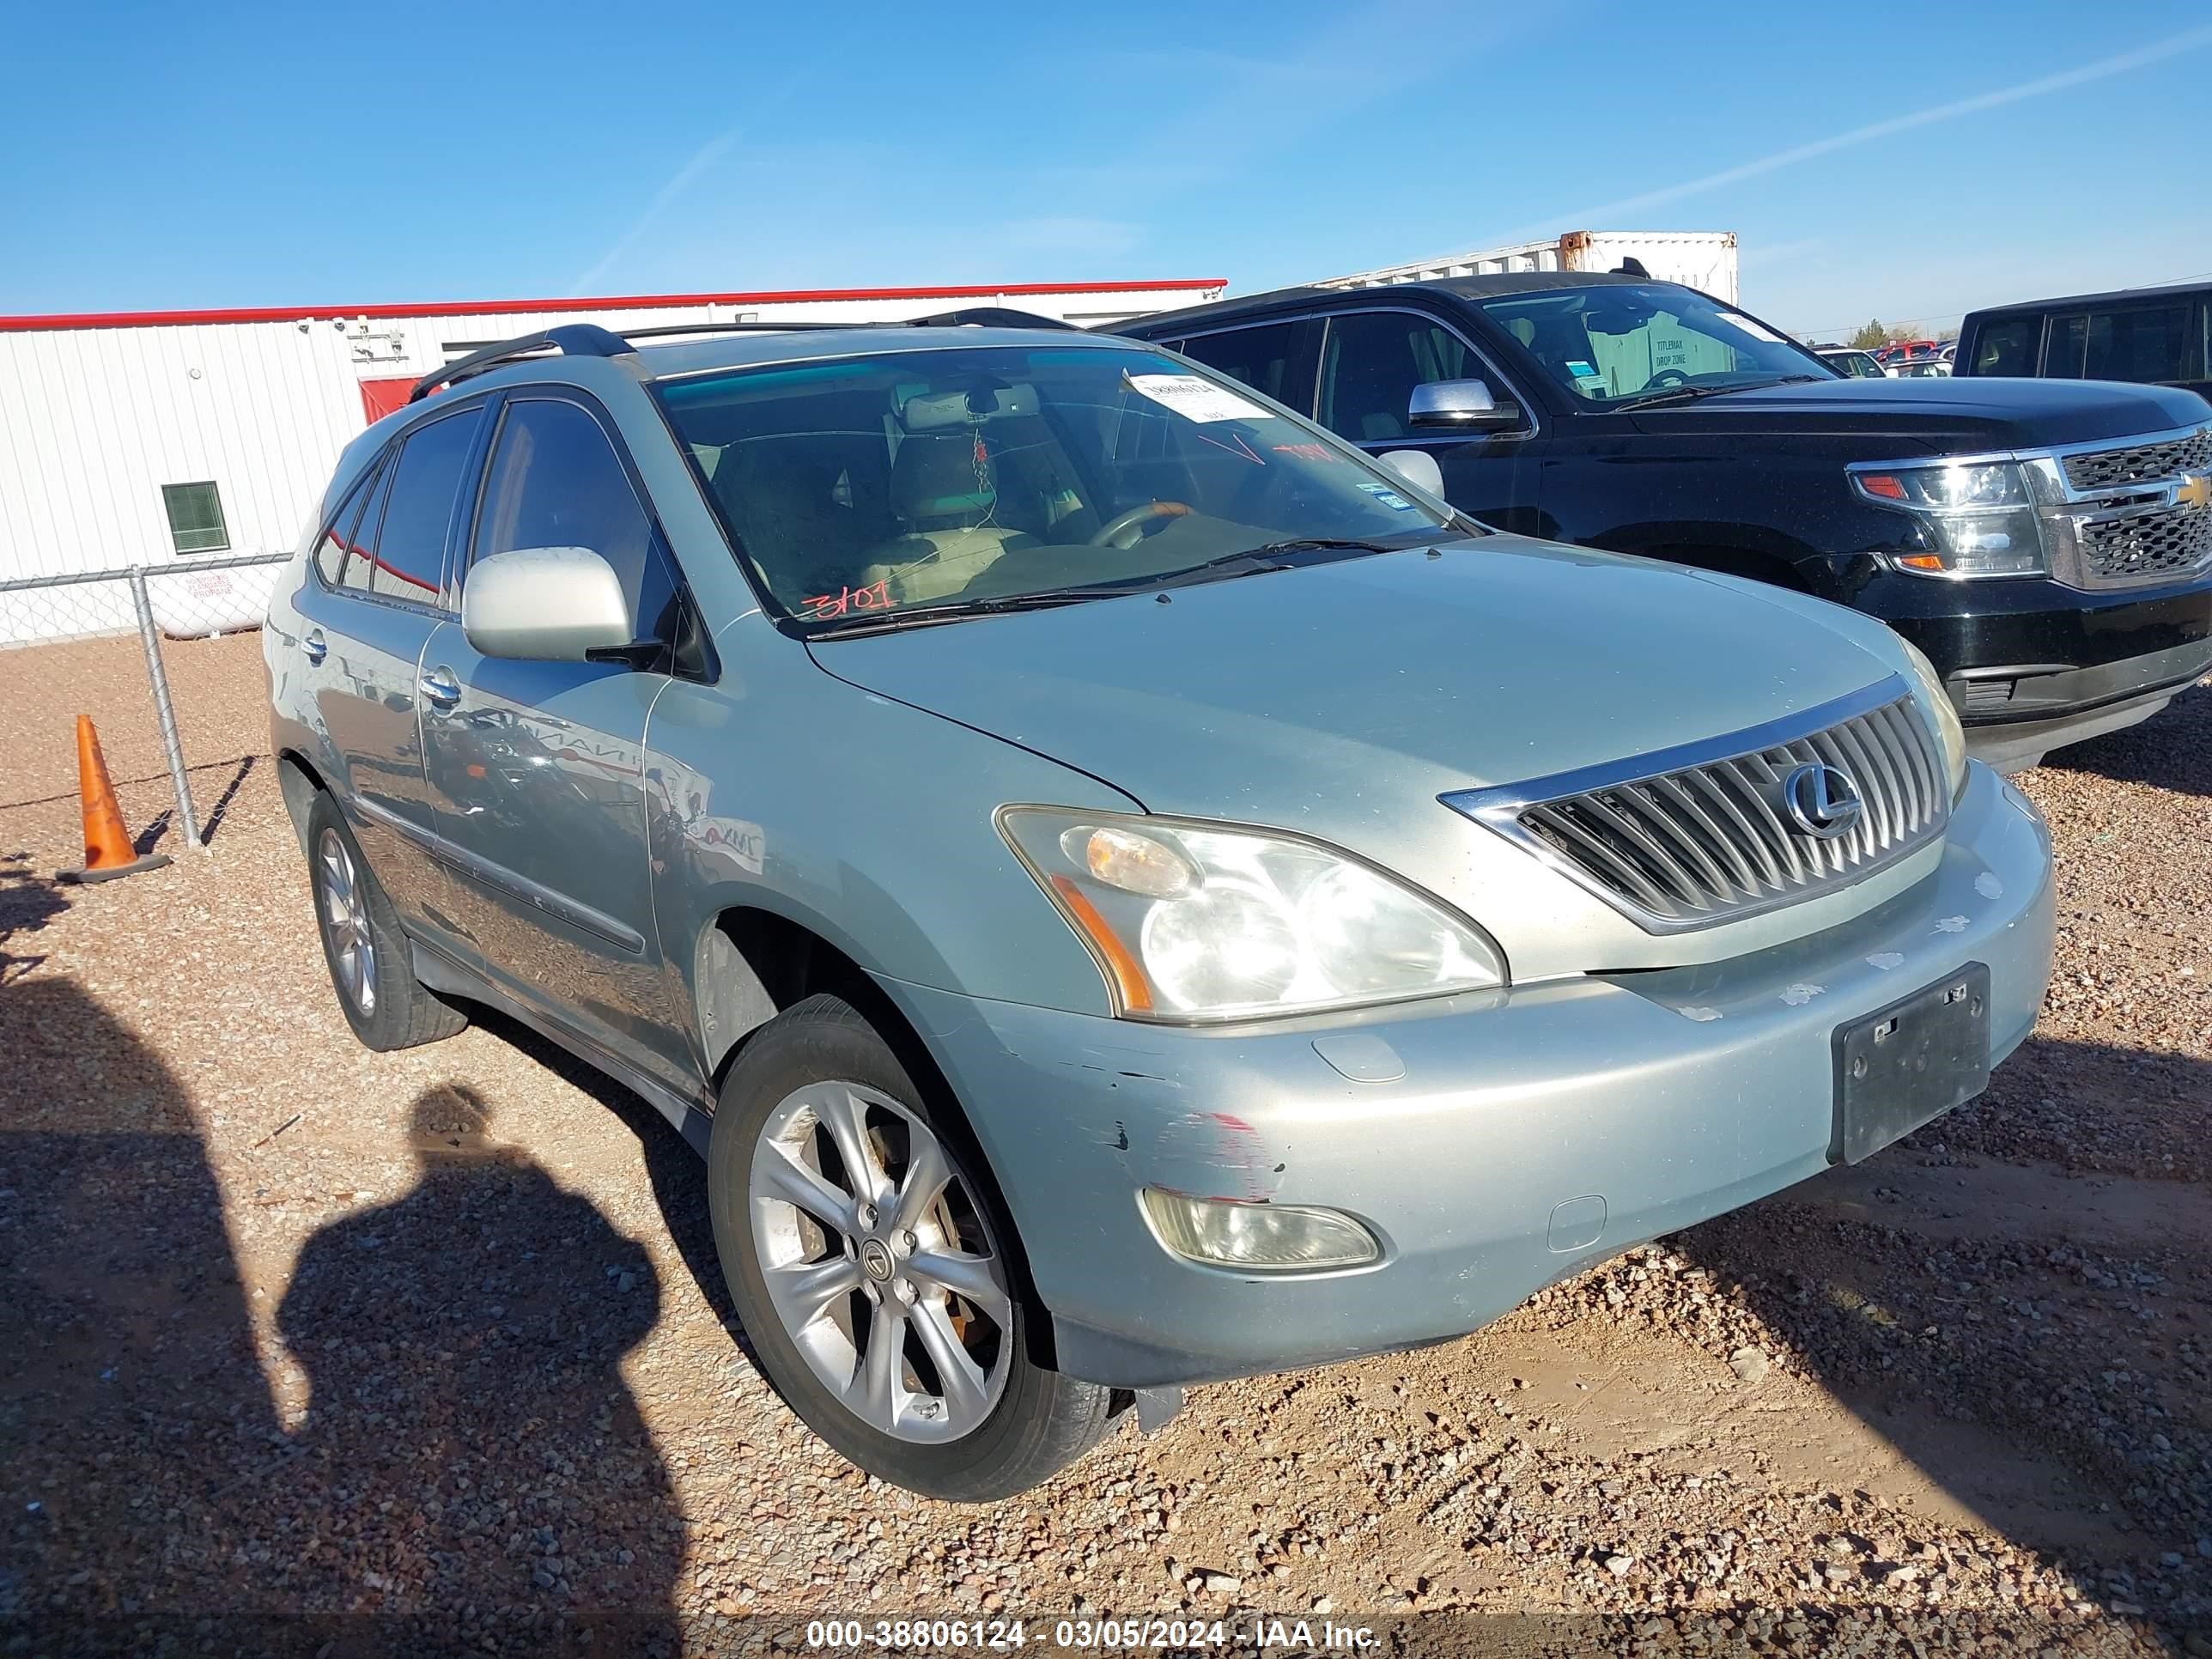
point(1612, 346)
point(860, 488)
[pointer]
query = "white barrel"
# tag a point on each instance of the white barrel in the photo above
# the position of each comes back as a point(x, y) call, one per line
point(193, 605)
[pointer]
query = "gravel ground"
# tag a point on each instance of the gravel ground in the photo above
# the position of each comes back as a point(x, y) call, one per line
point(289, 1329)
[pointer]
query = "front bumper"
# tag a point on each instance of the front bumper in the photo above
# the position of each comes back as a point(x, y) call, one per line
point(2030, 650)
point(1531, 1132)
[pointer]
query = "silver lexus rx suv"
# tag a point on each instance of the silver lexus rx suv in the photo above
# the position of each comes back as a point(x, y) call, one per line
point(1123, 888)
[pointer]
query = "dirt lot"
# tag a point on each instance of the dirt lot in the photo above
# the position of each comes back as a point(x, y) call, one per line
point(290, 1328)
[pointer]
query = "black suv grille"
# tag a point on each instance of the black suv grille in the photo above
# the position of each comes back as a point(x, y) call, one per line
point(2167, 539)
point(2105, 468)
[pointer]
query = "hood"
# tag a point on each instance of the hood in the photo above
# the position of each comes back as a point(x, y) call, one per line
point(1326, 698)
point(1959, 414)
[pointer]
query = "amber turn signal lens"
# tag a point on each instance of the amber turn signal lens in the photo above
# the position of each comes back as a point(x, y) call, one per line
point(1920, 561)
point(1136, 992)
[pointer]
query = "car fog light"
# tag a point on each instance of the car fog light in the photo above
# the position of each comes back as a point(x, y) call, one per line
point(1259, 1237)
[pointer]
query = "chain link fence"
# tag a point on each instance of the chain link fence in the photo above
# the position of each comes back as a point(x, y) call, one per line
point(66, 648)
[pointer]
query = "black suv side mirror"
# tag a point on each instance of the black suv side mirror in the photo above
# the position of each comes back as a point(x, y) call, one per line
point(1467, 406)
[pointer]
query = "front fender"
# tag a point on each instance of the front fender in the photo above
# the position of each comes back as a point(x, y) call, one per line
point(865, 821)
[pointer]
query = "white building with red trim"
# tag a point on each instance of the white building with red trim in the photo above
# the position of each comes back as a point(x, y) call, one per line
point(152, 437)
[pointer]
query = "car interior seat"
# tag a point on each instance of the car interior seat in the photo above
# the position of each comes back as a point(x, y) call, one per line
point(944, 491)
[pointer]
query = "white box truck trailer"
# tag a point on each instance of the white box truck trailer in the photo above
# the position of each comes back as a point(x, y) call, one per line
point(1703, 259)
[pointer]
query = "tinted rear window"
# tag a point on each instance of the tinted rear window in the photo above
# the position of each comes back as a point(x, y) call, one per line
point(2144, 343)
point(2006, 345)
point(1275, 358)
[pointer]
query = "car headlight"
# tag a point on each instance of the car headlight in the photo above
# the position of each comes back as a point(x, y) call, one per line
point(1980, 516)
point(1942, 715)
point(1193, 921)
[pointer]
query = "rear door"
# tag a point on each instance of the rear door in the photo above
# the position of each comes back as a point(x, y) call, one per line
point(1371, 360)
point(539, 768)
point(377, 598)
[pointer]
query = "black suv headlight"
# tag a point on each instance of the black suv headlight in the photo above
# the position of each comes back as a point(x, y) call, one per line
point(1981, 517)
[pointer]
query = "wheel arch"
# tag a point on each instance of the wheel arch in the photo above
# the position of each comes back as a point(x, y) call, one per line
point(299, 783)
point(752, 963)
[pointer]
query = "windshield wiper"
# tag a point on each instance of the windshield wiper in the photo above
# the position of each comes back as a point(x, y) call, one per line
point(1251, 562)
point(1683, 394)
point(891, 621)
point(1317, 544)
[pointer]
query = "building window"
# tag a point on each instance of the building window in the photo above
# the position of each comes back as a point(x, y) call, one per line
point(195, 518)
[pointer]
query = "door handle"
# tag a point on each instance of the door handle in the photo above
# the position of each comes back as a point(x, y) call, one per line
point(315, 646)
point(441, 690)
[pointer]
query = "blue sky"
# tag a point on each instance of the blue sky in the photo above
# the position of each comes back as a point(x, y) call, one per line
point(1905, 161)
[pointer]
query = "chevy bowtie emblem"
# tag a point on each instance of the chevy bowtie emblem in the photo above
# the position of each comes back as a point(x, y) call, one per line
point(1821, 801)
point(2195, 490)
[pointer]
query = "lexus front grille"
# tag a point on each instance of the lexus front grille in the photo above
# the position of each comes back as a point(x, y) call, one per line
point(1693, 838)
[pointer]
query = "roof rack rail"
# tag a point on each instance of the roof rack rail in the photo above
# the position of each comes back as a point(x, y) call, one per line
point(990, 317)
point(663, 331)
point(571, 339)
point(590, 340)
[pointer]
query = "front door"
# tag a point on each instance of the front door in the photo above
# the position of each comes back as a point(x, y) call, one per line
point(1371, 360)
point(539, 768)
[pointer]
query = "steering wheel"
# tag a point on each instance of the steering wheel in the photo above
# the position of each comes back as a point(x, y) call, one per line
point(1667, 377)
point(1110, 533)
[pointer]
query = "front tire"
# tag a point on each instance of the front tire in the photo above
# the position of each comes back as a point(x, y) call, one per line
point(372, 967)
point(871, 1267)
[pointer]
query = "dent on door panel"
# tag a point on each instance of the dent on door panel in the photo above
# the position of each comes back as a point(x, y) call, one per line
point(538, 773)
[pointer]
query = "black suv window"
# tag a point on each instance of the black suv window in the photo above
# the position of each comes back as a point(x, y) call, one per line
point(2062, 358)
point(1372, 362)
point(409, 546)
point(2006, 345)
point(2143, 343)
point(556, 482)
point(1276, 358)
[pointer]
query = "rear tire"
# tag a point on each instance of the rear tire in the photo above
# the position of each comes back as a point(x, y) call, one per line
point(371, 962)
point(915, 1248)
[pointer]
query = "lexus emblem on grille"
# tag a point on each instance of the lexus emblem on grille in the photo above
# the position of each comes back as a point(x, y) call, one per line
point(1822, 801)
point(2195, 490)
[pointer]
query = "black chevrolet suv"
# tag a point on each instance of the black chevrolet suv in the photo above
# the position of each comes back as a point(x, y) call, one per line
point(2048, 544)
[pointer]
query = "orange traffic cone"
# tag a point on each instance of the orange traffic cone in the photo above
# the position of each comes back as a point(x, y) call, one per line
point(107, 849)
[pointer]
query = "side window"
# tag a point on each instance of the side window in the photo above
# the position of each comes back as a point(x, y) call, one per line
point(2142, 344)
point(361, 537)
point(1276, 358)
point(337, 535)
point(556, 482)
point(1372, 362)
point(2061, 357)
point(410, 540)
point(2006, 345)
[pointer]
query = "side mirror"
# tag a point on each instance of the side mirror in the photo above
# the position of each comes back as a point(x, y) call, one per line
point(1465, 404)
point(545, 605)
point(1417, 468)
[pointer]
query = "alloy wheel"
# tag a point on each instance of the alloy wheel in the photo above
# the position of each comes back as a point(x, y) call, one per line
point(879, 1262)
point(345, 914)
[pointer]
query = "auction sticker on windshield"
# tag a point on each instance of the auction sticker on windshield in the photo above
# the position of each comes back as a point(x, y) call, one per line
point(1758, 331)
point(1195, 399)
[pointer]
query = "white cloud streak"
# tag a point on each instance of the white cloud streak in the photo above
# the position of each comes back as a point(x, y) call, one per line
point(2103, 68)
point(702, 158)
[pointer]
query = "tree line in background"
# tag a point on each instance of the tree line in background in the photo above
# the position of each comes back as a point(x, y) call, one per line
point(1879, 333)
